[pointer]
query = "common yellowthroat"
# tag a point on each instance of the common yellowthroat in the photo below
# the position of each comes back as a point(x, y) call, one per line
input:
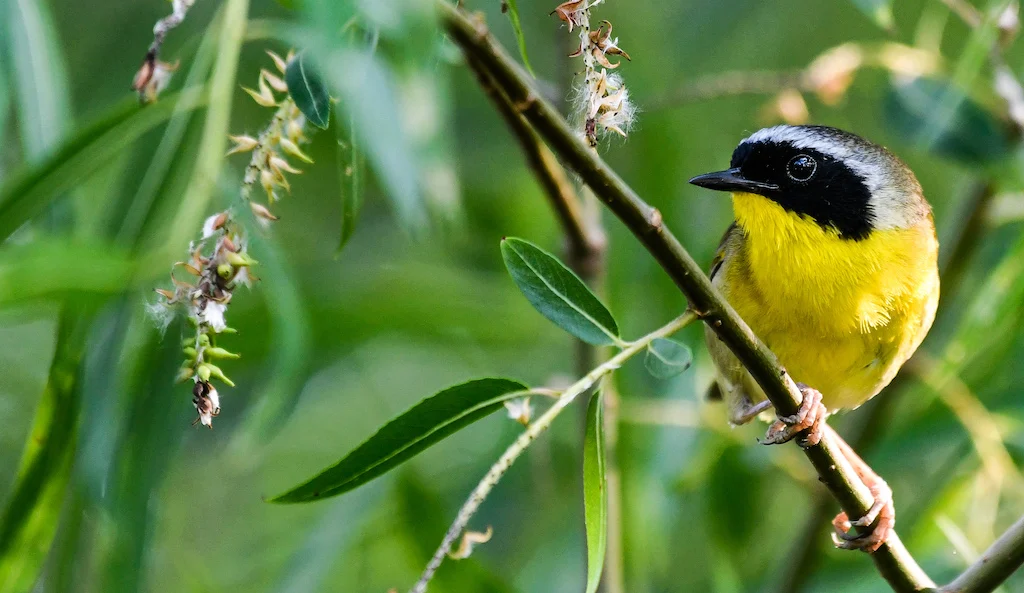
point(832, 261)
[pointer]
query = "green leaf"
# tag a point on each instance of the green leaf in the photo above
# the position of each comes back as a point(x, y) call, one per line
point(971, 134)
point(368, 95)
point(399, 440)
point(517, 27)
point(595, 492)
point(48, 268)
point(557, 293)
point(350, 176)
point(40, 78)
point(879, 11)
point(307, 88)
point(32, 190)
point(29, 521)
point(667, 358)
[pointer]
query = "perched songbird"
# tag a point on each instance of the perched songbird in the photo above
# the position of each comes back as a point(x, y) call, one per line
point(832, 262)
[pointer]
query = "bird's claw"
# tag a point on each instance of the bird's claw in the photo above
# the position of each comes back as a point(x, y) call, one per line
point(873, 528)
point(808, 420)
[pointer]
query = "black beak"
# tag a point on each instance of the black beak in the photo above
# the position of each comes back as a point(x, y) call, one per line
point(732, 180)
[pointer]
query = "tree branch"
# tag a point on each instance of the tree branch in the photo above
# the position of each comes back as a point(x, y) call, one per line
point(895, 564)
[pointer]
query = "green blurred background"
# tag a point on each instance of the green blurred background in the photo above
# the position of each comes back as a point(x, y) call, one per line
point(334, 344)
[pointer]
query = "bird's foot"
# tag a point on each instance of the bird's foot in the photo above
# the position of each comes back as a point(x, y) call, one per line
point(806, 423)
point(746, 411)
point(873, 528)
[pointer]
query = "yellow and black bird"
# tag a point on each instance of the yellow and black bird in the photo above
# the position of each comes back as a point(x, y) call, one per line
point(832, 262)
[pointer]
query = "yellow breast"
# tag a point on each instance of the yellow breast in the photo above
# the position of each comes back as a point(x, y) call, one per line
point(842, 315)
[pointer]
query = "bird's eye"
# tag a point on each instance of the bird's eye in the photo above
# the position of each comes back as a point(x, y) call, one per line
point(801, 167)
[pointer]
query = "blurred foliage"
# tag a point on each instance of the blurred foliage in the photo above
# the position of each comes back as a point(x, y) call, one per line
point(107, 488)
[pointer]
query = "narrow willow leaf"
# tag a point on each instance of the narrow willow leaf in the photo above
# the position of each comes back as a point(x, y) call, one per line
point(667, 358)
point(30, 519)
point(46, 268)
point(350, 177)
point(39, 75)
point(595, 492)
point(557, 293)
point(971, 135)
point(368, 94)
point(28, 194)
point(879, 11)
point(399, 440)
point(307, 88)
point(517, 27)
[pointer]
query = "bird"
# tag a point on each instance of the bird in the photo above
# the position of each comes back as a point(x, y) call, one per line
point(832, 262)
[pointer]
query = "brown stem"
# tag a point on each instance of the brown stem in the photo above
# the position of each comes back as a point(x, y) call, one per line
point(893, 561)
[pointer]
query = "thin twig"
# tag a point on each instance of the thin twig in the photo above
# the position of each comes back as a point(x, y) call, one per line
point(996, 565)
point(893, 561)
point(542, 423)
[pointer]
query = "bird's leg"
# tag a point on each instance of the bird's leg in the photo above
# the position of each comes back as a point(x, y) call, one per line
point(874, 527)
point(808, 420)
point(742, 410)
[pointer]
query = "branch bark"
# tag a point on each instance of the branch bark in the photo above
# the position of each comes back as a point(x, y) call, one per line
point(895, 564)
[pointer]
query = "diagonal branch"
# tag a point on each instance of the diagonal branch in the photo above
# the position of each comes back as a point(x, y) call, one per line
point(645, 222)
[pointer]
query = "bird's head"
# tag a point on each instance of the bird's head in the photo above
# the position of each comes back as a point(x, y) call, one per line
point(842, 182)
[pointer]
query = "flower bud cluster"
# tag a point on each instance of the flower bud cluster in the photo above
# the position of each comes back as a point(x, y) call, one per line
point(280, 139)
point(603, 100)
point(219, 263)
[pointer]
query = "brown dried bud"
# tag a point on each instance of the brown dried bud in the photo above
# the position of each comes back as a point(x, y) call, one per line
point(571, 12)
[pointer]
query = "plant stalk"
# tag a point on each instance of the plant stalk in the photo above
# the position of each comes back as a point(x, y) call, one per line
point(543, 422)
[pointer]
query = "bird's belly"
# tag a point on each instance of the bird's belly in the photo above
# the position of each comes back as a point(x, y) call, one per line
point(846, 368)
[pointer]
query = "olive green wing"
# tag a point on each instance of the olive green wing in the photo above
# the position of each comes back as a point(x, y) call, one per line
point(723, 248)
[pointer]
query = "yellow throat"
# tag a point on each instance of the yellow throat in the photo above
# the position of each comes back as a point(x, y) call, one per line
point(830, 284)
